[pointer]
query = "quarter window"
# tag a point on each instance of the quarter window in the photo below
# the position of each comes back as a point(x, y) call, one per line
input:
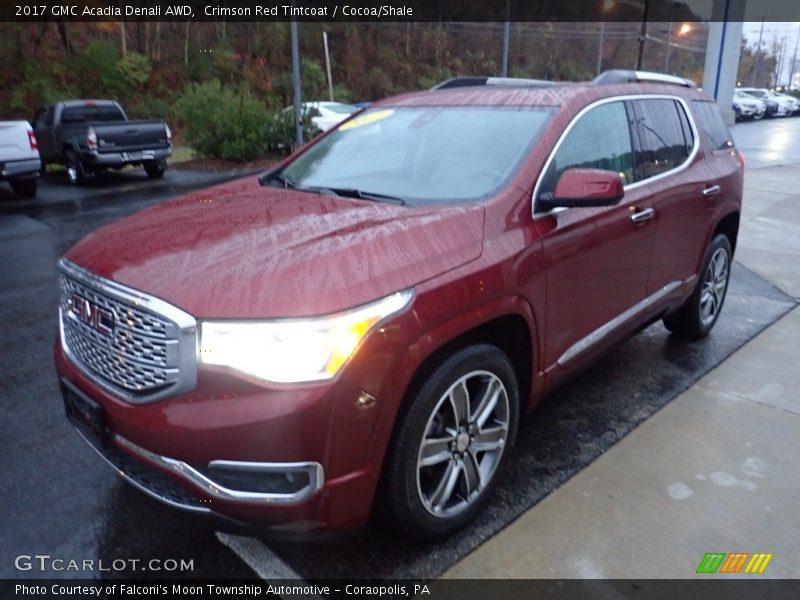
point(712, 123)
point(600, 139)
point(661, 143)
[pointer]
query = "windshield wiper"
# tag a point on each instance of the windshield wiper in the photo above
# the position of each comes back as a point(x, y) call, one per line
point(279, 178)
point(356, 193)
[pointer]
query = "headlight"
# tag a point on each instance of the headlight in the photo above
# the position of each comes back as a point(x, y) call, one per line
point(294, 350)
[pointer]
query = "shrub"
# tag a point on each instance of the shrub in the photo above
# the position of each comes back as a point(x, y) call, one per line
point(223, 123)
point(281, 133)
point(134, 70)
point(42, 83)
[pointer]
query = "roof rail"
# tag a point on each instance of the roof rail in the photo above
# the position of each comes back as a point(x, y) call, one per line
point(457, 82)
point(630, 76)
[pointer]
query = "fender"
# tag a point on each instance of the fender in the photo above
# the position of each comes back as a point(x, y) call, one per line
point(430, 341)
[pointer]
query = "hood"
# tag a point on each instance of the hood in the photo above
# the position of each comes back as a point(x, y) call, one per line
point(244, 251)
point(747, 102)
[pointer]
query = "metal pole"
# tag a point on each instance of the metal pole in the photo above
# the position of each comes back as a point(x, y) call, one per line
point(758, 55)
point(642, 36)
point(794, 59)
point(298, 122)
point(669, 37)
point(506, 35)
point(328, 64)
point(600, 43)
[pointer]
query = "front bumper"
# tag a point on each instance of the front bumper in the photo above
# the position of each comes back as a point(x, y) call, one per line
point(167, 448)
point(119, 159)
point(20, 168)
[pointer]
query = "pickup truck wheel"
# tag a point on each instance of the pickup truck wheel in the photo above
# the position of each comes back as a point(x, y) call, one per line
point(700, 312)
point(452, 442)
point(77, 173)
point(155, 168)
point(24, 188)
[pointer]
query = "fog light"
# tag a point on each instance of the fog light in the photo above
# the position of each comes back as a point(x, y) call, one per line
point(261, 478)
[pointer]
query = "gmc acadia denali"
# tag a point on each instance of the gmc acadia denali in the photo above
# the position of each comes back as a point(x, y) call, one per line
point(363, 327)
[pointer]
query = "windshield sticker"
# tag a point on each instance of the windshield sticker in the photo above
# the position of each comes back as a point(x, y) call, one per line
point(373, 117)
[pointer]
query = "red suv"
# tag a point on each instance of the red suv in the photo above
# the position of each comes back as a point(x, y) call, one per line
point(365, 325)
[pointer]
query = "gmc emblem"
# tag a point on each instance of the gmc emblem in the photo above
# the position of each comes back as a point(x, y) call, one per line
point(96, 317)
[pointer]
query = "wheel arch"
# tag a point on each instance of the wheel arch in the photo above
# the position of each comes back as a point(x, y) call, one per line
point(729, 226)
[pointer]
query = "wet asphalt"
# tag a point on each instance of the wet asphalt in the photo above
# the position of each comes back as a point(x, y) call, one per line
point(59, 499)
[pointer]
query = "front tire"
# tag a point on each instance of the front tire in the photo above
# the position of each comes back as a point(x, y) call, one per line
point(452, 442)
point(700, 312)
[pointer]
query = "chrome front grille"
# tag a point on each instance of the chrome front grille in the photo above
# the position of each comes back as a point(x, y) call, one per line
point(143, 350)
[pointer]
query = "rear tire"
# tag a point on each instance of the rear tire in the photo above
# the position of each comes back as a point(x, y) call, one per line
point(24, 188)
point(77, 172)
point(697, 316)
point(155, 168)
point(451, 443)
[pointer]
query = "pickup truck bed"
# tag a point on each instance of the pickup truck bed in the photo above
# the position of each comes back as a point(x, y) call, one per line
point(19, 157)
point(91, 135)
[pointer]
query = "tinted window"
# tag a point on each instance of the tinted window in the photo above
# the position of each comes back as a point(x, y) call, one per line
point(661, 144)
point(713, 125)
point(422, 154)
point(38, 122)
point(79, 114)
point(600, 139)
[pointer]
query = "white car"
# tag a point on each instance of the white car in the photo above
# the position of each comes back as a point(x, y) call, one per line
point(328, 114)
point(19, 157)
point(794, 103)
point(784, 105)
point(748, 107)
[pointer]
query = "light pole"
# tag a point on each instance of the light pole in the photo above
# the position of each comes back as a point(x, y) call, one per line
point(645, 6)
point(684, 29)
point(600, 47)
point(506, 35)
point(758, 54)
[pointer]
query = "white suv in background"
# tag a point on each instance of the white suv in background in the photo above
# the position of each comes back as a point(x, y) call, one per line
point(19, 157)
point(786, 105)
point(748, 107)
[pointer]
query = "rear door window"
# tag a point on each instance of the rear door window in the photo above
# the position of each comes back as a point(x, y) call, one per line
point(659, 137)
point(713, 125)
point(90, 112)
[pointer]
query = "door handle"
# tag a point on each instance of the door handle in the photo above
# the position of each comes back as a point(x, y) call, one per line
point(711, 191)
point(643, 215)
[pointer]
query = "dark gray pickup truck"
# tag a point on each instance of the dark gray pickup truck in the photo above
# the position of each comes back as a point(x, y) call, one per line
point(88, 136)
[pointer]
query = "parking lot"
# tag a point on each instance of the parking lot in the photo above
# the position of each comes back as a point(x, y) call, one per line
point(61, 500)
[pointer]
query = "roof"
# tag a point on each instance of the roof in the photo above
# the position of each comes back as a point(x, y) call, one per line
point(87, 102)
point(558, 94)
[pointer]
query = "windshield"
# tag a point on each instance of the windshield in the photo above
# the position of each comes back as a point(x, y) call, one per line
point(344, 109)
point(421, 154)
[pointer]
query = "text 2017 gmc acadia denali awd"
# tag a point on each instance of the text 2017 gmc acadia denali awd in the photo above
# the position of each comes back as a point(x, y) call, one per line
point(364, 325)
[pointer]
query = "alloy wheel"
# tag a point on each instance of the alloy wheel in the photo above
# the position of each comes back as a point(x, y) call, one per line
point(463, 442)
point(715, 283)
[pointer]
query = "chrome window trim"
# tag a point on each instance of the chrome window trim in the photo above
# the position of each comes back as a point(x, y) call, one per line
point(187, 334)
point(631, 186)
point(614, 324)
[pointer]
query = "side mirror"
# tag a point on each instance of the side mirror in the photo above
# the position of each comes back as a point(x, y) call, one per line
point(585, 188)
